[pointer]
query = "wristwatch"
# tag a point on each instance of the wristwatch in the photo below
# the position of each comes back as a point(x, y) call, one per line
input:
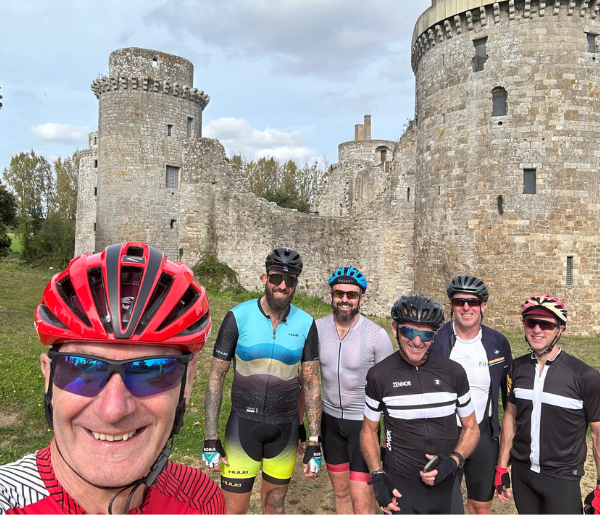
point(461, 460)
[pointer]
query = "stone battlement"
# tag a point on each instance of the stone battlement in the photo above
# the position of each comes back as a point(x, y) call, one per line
point(106, 84)
point(449, 18)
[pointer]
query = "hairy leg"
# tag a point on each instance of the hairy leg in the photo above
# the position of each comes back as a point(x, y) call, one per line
point(273, 497)
point(479, 506)
point(341, 489)
point(236, 503)
point(363, 497)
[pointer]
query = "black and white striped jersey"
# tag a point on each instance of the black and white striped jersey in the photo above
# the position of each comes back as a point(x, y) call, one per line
point(21, 483)
point(553, 412)
point(419, 406)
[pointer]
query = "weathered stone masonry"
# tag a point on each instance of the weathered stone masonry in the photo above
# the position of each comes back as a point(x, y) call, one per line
point(447, 198)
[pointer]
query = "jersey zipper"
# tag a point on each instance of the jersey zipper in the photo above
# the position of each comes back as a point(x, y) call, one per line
point(338, 377)
point(427, 432)
point(270, 363)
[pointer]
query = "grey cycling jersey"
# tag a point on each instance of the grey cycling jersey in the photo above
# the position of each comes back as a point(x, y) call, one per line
point(345, 363)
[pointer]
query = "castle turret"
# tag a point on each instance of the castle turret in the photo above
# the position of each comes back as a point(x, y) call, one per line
point(148, 108)
point(507, 123)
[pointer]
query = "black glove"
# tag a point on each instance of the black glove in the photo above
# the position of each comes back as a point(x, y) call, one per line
point(212, 452)
point(446, 467)
point(302, 433)
point(383, 487)
point(591, 505)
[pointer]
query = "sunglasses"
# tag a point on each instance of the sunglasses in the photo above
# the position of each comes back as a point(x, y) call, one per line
point(290, 280)
point(410, 334)
point(350, 295)
point(460, 302)
point(88, 375)
point(545, 325)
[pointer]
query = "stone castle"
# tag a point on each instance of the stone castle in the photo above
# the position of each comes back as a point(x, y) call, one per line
point(494, 177)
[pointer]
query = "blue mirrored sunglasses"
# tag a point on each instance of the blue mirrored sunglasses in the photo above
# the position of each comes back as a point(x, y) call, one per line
point(88, 375)
point(410, 334)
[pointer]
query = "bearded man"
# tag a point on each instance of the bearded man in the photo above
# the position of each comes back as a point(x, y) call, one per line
point(349, 345)
point(270, 339)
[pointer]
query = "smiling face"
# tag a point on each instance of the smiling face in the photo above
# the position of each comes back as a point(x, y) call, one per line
point(346, 309)
point(540, 339)
point(466, 316)
point(122, 434)
point(414, 350)
point(279, 296)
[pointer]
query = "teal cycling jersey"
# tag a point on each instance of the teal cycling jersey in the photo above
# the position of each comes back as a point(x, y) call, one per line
point(266, 362)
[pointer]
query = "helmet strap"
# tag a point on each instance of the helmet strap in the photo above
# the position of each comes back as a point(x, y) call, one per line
point(547, 349)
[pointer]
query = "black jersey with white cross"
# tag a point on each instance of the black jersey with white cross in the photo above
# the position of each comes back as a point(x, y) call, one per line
point(554, 409)
point(419, 406)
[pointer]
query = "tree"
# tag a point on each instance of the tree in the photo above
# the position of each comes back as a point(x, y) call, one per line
point(8, 217)
point(288, 185)
point(65, 197)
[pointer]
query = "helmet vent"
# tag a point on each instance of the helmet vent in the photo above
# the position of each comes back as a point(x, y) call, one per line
point(135, 251)
point(156, 301)
point(49, 317)
point(185, 303)
point(197, 326)
point(98, 289)
point(131, 278)
point(68, 294)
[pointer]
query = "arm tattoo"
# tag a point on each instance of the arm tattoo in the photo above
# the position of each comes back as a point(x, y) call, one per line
point(214, 397)
point(312, 396)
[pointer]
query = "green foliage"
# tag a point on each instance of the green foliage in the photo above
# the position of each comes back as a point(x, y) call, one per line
point(215, 276)
point(8, 207)
point(287, 184)
point(46, 198)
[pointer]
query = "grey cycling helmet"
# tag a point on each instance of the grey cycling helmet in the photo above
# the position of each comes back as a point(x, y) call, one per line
point(418, 309)
point(468, 284)
point(284, 259)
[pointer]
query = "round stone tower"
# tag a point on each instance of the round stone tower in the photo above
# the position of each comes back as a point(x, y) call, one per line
point(508, 125)
point(148, 108)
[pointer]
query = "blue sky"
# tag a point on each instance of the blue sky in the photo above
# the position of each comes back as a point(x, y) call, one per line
point(288, 78)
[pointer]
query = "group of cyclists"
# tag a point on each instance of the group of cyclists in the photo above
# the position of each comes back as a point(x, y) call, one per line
point(124, 328)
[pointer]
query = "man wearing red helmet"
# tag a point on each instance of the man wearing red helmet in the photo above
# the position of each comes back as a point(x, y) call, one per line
point(268, 340)
point(552, 399)
point(124, 328)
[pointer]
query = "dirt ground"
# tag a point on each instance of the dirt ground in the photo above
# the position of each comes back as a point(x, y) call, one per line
point(315, 495)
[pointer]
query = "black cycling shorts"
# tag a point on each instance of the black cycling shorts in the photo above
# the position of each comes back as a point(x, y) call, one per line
point(417, 497)
point(251, 445)
point(341, 447)
point(479, 471)
point(540, 493)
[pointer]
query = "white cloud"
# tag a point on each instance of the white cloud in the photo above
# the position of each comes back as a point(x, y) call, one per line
point(61, 133)
point(336, 37)
point(237, 136)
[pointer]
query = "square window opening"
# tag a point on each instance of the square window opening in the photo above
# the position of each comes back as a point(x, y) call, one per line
point(172, 179)
point(569, 279)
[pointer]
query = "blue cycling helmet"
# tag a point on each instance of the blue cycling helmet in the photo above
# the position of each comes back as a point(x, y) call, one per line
point(348, 275)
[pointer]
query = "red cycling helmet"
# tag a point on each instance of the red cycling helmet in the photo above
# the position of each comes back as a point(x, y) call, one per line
point(130, 293)
point(545, 305)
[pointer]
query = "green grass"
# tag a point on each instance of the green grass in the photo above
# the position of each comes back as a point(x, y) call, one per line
point(15, 243)
point(22, 424)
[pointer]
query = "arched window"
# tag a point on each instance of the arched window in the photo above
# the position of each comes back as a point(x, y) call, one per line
point(499, 106)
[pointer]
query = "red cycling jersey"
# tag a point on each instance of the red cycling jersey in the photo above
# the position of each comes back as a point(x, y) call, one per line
point(30, 486)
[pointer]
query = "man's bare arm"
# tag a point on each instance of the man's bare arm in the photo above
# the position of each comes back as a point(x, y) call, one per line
point(369, 444)
point(312, 396)
point(509, 430)
point(214, 397)
point(469, 436)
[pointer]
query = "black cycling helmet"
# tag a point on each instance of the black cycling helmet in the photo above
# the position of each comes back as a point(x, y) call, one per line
point(468, 284)
point(417, 309)
point(284, 259)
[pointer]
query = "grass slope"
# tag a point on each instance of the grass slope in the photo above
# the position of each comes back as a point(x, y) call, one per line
point(23, 428)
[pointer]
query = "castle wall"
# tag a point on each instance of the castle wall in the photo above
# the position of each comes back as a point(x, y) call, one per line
point(85, 235)
point(220, 215)
point(144, 107)
point(473, 215)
